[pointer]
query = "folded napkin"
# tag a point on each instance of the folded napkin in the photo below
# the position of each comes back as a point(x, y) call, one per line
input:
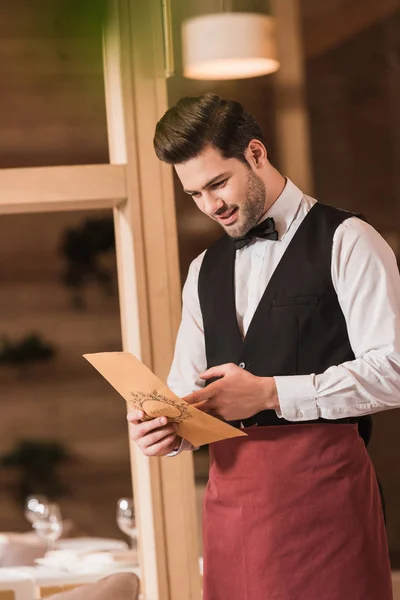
point(120, 586)
point(84, 545)
point(92, 562)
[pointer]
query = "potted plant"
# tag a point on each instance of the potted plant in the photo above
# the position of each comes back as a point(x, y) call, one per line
point(84, 249)
point(30, 349)
point(36, 463)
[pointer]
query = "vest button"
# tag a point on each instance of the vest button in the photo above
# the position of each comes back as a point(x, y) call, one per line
point(242, 365)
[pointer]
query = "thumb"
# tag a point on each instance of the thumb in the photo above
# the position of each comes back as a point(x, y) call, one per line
point(192, 398)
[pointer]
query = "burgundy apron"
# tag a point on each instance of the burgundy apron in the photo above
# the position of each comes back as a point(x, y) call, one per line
point(294, 513)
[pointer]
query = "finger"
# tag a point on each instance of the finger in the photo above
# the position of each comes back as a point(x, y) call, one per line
point(208, 408)
point(219, 371)
point(204, 394)
point(163, 447)
point(197, 397)
point(192, 398)
point(141, 429)
point(156, 435)
point(204, 406)
point(135, 416)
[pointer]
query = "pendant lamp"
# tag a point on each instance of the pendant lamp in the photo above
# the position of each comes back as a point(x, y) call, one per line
point(229, 45)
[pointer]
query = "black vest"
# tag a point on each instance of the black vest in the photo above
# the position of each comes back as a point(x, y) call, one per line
point(298, 327)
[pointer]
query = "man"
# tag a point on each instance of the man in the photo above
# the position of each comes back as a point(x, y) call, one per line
point(291, 320)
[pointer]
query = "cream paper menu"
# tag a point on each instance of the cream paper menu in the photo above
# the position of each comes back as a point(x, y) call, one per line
point(144, 391)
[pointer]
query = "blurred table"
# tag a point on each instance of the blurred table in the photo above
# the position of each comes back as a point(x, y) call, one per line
point(53, 573)
point(75, 561)
point(45, 576)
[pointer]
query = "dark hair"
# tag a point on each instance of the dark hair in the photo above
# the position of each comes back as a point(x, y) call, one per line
point(194, 123)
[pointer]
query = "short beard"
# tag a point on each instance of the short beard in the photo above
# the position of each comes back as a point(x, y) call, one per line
point(252, 208)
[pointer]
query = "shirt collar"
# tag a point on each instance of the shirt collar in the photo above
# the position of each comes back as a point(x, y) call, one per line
point(285, 208)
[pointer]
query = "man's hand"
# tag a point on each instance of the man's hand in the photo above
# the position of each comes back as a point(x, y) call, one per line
point(156, 437)
point(237, 395)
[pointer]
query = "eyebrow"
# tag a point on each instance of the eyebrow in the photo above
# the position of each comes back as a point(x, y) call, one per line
point(209, 183)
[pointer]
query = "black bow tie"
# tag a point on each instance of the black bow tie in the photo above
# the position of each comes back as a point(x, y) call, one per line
point(265, 230)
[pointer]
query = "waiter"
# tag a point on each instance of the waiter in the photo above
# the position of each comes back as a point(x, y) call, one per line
point(290, 329)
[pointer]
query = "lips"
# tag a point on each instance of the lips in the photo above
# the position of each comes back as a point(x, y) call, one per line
point(229, 216)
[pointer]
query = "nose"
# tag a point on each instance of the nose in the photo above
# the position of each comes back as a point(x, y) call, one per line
point(212, 204)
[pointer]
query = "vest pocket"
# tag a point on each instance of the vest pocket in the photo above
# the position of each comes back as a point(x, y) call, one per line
point(296, 301)
point(292, 316)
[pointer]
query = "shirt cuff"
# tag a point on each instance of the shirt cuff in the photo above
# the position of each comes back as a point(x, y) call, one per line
point(297, 398)
point(184, 445)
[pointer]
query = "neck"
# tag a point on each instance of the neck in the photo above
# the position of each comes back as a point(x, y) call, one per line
point(275, 184)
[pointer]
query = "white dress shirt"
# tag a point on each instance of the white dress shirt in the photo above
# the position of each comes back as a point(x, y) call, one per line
point(366, 279)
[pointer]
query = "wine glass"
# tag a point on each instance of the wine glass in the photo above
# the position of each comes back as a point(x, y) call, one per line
point(126, 519)
point(49, 524)
point(35, 506)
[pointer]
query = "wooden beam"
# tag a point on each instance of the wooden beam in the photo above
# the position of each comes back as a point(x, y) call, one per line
point(292, 131)
point(329, 23)
point(148, 272)
point(49, 189)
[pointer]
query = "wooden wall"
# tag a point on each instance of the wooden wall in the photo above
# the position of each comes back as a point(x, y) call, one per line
point(52, 94)
point(52, 112)
point(353, 95)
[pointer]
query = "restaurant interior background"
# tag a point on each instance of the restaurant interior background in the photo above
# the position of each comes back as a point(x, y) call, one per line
point(58, 288)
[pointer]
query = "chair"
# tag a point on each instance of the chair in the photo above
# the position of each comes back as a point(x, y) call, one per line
point(16, 586)
point(21, 550)
point(48, 591)
point(119, 586)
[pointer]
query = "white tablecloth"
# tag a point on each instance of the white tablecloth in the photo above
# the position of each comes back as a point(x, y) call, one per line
point(46, 577)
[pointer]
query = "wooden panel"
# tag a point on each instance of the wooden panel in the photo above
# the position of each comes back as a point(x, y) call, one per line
point(330, 23)
point(150, 289)
point(291, 112)
point(52, 109)
point(61, 188)
point(35, 56)
point(38, 17)
point(133, 287)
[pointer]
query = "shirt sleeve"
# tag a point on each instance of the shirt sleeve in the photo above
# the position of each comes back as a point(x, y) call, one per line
point(366, 278)
point(190, 355)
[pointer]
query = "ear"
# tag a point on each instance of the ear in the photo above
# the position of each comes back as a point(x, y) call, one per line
point(256, 154)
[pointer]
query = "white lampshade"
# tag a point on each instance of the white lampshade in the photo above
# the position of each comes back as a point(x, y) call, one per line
point(229, 45)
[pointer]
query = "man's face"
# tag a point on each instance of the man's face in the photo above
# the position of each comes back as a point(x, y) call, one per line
point(224, 189)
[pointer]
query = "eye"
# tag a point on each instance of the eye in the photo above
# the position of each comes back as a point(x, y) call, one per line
point(196, 195)
point(219, 184)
